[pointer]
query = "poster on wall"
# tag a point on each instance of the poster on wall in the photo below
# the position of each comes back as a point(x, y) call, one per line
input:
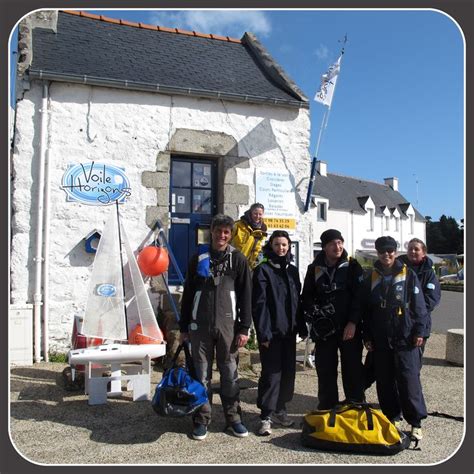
point(95, 183)
point(276, 192)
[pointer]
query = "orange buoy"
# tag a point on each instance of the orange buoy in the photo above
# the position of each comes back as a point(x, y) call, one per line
point(137, 337)
point(153, 261)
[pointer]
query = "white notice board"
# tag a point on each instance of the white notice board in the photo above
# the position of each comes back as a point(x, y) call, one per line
point(276, 192)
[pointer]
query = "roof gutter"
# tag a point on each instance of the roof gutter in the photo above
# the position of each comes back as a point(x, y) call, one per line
point(162, 89)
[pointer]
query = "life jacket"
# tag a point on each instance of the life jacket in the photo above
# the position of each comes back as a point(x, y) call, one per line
point(390, 301)
point(401, 296)
point(336, 288)
point(214, 302)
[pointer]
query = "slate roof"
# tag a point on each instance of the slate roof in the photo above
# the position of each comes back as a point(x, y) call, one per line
point(349, 194)
point(97, 50)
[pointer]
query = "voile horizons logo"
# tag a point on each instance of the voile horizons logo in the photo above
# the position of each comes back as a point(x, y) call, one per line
point(96, 184)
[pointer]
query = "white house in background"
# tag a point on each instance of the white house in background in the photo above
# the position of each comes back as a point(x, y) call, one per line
point(198, 124)
point(364, 210)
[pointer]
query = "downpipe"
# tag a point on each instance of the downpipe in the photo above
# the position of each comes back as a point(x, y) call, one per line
point(46, 228)
point(38, 259)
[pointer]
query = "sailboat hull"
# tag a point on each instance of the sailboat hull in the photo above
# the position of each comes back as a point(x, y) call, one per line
point(116, 353)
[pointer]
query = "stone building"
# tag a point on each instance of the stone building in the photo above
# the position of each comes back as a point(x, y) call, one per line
point(176, 125)
point(193, 123)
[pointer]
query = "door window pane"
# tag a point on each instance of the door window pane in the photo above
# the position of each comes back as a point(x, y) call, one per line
point(201, 175)
point(180, 200)
point(202, 201)
point(181, 175)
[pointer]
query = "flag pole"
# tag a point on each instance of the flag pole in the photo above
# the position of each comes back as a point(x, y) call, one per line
point(324, 124)
point(314, 162)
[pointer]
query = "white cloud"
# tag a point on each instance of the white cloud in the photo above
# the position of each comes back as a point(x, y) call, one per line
point(322, 52)
point(232, 23)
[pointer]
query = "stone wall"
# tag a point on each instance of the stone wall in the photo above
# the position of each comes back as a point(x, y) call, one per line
point(138, 131)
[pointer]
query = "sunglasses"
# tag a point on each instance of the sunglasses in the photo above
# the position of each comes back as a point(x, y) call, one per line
point(389, 251)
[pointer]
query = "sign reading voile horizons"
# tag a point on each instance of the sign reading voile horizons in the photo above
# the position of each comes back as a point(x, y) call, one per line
point(95, 183)
point(276, 192)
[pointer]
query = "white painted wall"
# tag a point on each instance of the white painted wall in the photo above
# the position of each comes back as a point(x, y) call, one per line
point(129, 129)
point(355, 229)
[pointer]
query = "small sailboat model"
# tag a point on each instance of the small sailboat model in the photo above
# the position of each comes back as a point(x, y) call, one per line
point(122, 317)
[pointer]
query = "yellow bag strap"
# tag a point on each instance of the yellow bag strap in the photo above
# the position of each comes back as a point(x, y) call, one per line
point(364, 406)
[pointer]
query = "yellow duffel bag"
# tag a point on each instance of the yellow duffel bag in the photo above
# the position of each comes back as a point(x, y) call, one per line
point(352, 427)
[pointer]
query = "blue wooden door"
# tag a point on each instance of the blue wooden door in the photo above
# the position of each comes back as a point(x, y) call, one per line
point(193, 194)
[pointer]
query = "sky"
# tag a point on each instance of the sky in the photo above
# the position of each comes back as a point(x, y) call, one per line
point(398, 107)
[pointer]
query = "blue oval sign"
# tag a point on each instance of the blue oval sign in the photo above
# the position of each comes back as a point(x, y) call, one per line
point(97, 184)
point(106, 289)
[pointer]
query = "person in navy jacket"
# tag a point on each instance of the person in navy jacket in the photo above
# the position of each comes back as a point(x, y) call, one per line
point(422, 265)
point(394, 324)
point(277, 319)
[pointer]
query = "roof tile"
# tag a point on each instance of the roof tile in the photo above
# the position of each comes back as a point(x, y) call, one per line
point(151, 55)
point(148, 27)
point(90, 15)
point(222, 38)
point(129, 23)
point(184, 32)
point(350, 194)
point(169, 30)
point(202, 35)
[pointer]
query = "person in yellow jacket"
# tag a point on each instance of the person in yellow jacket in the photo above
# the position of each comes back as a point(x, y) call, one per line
point(249, 233)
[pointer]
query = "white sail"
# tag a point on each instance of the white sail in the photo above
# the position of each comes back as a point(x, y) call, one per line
point(146, 315)
point(105, 311)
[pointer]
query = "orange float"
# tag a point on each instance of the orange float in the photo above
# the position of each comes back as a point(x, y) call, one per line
point(153, 261)
point(137, 337)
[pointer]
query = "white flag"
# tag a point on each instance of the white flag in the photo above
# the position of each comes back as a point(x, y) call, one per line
point(328, 84)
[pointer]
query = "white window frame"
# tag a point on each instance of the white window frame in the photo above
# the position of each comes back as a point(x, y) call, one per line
point(322, 211)
point(371, 212)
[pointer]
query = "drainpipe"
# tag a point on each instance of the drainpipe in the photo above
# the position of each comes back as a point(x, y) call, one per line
point(46, 227)
point(352, 234)
point(38, 259)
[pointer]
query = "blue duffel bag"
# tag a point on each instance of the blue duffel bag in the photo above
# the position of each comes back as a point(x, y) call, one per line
point(179, 393)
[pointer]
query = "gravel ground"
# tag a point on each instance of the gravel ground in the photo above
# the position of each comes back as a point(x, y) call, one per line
point(49, 425)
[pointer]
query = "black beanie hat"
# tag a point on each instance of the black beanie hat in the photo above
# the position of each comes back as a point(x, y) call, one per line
point(385, 243)
point(330, 234)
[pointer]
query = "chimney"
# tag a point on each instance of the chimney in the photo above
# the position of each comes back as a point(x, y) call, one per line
point(37, 19)
point(392, 182)
point(322, 168)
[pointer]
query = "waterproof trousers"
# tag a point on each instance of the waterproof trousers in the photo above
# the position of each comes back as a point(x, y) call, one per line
point(276, 384)
point(397, 374)
point(326, 360)
point(203, 345)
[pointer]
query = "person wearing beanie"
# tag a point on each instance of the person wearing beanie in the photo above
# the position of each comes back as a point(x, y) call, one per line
point(277, 317)
point(330, 303)
point(394, 322)
point(249, 233)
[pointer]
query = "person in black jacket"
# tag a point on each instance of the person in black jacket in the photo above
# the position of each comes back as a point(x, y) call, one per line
point(216, 316)
point(394, 318)
point(422, 265)
point(330, 302)
point(277, 319)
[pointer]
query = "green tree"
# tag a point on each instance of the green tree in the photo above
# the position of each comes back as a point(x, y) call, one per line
point(444, 236)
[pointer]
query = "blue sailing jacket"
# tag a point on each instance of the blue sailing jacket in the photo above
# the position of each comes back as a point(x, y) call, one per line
point(393, 307)
point(429, 285)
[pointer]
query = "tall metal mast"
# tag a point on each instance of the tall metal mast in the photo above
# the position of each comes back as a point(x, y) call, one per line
point(323, 126)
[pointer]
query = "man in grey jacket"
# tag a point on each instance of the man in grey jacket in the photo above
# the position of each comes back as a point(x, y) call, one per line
point(216, 315)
